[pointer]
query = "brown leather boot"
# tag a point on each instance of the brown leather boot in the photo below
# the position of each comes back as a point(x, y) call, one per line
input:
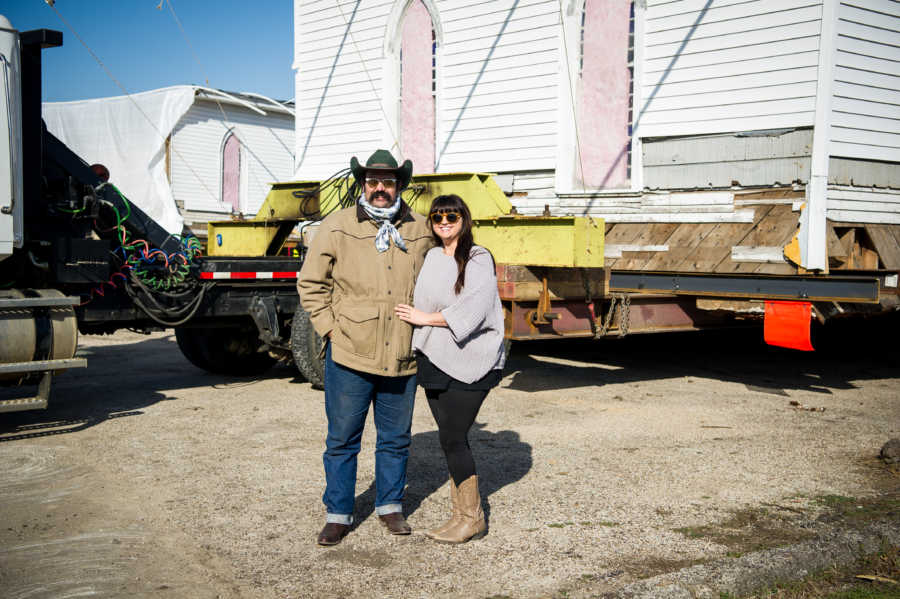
point(470, 524)
point(454, 514)
point(332, 533)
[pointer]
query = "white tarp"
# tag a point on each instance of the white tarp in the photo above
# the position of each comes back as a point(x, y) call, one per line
point(128, 135)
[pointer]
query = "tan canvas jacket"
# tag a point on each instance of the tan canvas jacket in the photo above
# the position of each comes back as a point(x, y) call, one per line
point(350, 289)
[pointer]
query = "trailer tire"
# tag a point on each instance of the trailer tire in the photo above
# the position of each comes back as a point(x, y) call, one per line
point(224, 350)
point(306, 345)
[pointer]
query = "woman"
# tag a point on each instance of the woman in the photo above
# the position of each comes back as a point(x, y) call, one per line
point(459, 349)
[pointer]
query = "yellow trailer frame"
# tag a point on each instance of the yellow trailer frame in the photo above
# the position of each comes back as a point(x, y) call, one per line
point(552, 241)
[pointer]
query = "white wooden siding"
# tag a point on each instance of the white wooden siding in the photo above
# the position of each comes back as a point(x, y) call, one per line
point(267, 143)
point(687, 207)
point(724, 159)
point(531, 191)
point(863, 205)
point(338, 58)
point(728, 66)
point(865, 117)
point(497, 84)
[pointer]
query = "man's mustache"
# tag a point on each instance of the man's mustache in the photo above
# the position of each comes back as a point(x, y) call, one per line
point(380, 194)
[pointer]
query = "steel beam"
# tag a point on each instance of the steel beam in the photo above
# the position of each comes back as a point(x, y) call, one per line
point(816, 289)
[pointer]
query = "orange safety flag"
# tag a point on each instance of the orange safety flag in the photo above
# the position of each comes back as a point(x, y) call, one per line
point(787, 324)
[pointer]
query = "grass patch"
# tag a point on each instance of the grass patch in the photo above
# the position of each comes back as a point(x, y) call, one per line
point(858, 511)
point(751, 529)
point(754, 529)
point(653, 566)
point(842, 583)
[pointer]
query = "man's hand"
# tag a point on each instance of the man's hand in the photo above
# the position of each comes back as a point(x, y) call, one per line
point(411, 315)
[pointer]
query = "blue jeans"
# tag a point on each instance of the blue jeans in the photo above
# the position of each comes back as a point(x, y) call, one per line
point(348, 394)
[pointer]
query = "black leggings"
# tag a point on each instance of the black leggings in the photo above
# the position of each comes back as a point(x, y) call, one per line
point(454, 410)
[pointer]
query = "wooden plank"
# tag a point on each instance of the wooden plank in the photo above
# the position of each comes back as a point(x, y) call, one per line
point(621, 234)
point(653, 116)
point(772, 37)
point(757, 254)
point(862, 194)
point(741, 24)
point(776, 269)
point(726, 124)
point(886, 245)
point(738, 216)
point(734, 82)
point(775, 229)
point(865, 217)
point(654, 235)
point(886, 7)
point(895, 231)
point(836, 249)
point(714, 248)
point(767, 194)
point(745, 238)
point(681, 242)
point(760, 65)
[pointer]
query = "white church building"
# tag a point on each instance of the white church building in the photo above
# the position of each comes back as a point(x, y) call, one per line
point(674, 120)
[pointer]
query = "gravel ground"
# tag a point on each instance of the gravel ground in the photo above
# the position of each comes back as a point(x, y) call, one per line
point(602, 465)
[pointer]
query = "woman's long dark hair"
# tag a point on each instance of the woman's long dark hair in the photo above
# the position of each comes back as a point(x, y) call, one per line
point(454, 203)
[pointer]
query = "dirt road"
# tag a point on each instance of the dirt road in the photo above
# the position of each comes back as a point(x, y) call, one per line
point(601, 464)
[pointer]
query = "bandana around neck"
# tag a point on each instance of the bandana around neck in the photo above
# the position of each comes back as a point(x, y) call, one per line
point(387, 231)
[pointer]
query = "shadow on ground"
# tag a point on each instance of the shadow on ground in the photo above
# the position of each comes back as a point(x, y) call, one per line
point(510, 460)
point(845, 351)
point(121, 379)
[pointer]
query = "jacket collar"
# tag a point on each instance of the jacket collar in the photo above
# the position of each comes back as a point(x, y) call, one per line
point(404, 215)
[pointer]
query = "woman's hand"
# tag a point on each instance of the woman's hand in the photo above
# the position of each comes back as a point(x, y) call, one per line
point(407, 313)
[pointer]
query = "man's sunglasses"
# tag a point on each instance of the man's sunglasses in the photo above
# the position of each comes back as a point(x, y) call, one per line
point(372, 183)
point(438, 217)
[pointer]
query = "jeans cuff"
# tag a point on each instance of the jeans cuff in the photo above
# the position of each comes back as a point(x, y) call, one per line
point(339, 518)
point(391, 508)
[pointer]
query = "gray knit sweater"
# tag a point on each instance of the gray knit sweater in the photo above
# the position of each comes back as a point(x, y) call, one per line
point(472, 343)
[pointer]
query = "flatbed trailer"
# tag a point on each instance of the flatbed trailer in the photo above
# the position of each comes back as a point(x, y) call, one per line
point(64, 266)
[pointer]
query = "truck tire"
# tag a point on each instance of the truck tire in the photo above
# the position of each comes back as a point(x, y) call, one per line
point(224, 350)
point(306, 345)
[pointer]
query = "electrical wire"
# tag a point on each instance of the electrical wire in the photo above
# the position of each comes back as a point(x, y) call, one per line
point(158, 283)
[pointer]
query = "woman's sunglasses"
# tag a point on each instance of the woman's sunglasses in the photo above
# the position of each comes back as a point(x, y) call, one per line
point(439, 217)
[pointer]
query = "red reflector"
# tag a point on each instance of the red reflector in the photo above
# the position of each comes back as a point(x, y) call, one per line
point(787, 324)
point(243, 275)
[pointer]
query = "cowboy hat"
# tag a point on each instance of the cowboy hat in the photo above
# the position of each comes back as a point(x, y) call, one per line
point(382, 160)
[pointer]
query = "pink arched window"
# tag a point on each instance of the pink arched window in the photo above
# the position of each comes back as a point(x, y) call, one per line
point(604, 118)
point(417, 88)
point(231, 172)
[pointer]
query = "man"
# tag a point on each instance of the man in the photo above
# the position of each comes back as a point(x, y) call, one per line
point(361, 263)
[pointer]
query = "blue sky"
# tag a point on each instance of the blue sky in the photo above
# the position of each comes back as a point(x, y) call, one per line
point(240, 45)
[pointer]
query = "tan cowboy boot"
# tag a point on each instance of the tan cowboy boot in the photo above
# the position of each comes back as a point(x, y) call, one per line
point(454, 514)
point(470, 524)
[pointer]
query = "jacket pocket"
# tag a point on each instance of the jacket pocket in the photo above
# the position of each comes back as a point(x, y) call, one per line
point(359, 325)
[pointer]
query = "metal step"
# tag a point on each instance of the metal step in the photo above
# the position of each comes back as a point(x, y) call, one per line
point(27, 403)
point(47, 367)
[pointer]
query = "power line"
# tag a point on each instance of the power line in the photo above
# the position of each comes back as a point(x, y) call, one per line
point(109, 74)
